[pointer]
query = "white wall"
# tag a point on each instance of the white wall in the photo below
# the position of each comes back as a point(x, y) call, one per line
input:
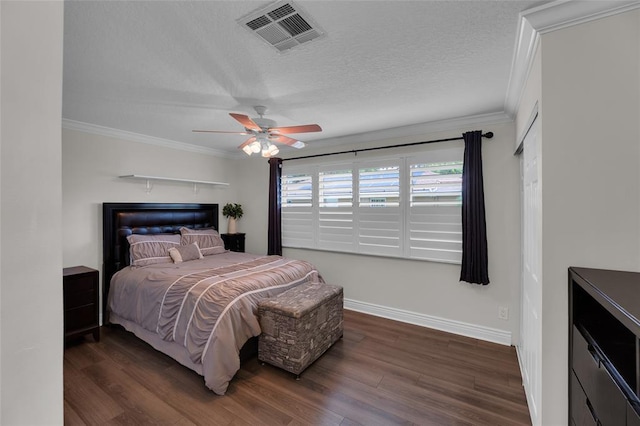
point(589, 93)
point(252, 178)
point(91, 165)
point(418, 289)
point(31, 322)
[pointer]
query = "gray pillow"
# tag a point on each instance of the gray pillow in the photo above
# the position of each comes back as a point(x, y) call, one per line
point(150, 249)
point(185, 253)
point(208, 240)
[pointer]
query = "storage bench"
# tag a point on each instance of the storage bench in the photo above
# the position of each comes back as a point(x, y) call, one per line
point(299, 325)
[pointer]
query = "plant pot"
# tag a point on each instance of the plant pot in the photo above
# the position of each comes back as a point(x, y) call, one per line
point(231, 227)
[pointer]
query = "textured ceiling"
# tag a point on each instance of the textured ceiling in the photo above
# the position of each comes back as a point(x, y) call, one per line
point(164, 68)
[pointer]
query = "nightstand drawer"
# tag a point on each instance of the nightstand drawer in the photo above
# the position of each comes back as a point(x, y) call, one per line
point(84, 316)
point(79, 283)
point(233, 242)
point(81, 302)
point(75, 300)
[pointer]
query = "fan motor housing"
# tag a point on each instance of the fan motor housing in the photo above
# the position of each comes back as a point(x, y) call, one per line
point(264, 123)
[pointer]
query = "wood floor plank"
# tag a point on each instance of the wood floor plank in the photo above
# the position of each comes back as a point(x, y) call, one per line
point(139, 404)
point(91, 402)
point(381, 372)
point(465, 408)
point(473, 397)
point(388, 408)
point(72, 418)
point(77, 355)
point(274, 393)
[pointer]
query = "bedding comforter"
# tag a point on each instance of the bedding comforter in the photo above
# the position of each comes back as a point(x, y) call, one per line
point(207, 306)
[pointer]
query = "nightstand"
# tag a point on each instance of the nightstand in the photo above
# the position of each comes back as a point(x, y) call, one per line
point(233, 242)
point(81, 302)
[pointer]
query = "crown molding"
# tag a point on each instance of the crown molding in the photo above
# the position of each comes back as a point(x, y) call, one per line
point(544, 19)
point(137, 137)
point(567, 13)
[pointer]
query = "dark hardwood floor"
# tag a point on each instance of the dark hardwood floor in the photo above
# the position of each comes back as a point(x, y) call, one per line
point(381, 373)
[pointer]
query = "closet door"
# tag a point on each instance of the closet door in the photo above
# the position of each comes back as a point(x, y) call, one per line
point(529, 348)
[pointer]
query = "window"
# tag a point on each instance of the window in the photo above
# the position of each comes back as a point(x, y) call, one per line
point(399, 207)
point(297, 209)
point(379, 218)
point(435, 225)
point(335, 209)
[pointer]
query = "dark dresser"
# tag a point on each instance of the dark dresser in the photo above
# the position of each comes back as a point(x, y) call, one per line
point(81, 302)
point(233, 242)
point(604, 347)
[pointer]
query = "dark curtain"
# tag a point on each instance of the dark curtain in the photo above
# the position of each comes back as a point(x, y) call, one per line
point(474, 228)
point(275, 220)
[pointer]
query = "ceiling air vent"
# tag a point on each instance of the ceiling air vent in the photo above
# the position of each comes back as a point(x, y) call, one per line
point(283, 25)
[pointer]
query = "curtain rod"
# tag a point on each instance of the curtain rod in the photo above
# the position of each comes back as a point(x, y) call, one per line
point(487, 135)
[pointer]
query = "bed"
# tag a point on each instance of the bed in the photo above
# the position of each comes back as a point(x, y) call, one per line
point(168, 281)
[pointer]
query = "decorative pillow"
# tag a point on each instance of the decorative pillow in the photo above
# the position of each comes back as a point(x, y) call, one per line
point(185, 253)
point(149, 249)
point(208, 240)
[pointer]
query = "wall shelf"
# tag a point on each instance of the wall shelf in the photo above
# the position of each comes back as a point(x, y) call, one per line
point(149, 179)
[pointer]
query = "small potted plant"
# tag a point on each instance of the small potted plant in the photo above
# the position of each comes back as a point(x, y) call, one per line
point(233, 211)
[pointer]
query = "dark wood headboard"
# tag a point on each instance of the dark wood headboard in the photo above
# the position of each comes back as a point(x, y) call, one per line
point(120, 220)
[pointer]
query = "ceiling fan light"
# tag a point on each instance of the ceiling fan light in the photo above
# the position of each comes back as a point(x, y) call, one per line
point(255, 146)
point(266, 153)
point(273, 150)
point(247, 149)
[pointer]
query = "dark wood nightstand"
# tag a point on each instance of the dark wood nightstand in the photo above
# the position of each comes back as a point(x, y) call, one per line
point(81, 302)
point(233, 242)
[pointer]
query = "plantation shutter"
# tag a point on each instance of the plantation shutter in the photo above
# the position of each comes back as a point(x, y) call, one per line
point(379, 212)
point(434, 228)
point(409, 207)
point(297, 209)
point(335, 208)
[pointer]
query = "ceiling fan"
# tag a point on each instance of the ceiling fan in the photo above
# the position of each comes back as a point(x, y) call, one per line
point(264, 132)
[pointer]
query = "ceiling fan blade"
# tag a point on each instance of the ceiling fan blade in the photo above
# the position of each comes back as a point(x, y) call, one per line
point(305, 128)
point(220, 131)
point(288, 141)
point(246, 121)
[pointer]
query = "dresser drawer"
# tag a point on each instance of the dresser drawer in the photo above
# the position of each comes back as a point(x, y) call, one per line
point(581, 410)
point(608, 402)
point(633, 419)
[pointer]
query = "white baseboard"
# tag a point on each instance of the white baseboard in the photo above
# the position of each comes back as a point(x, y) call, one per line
point(502, 337)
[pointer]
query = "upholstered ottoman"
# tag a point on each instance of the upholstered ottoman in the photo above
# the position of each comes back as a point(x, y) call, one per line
point(299, 325)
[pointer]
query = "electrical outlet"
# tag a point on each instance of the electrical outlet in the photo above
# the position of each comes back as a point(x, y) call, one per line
point(503, 313)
